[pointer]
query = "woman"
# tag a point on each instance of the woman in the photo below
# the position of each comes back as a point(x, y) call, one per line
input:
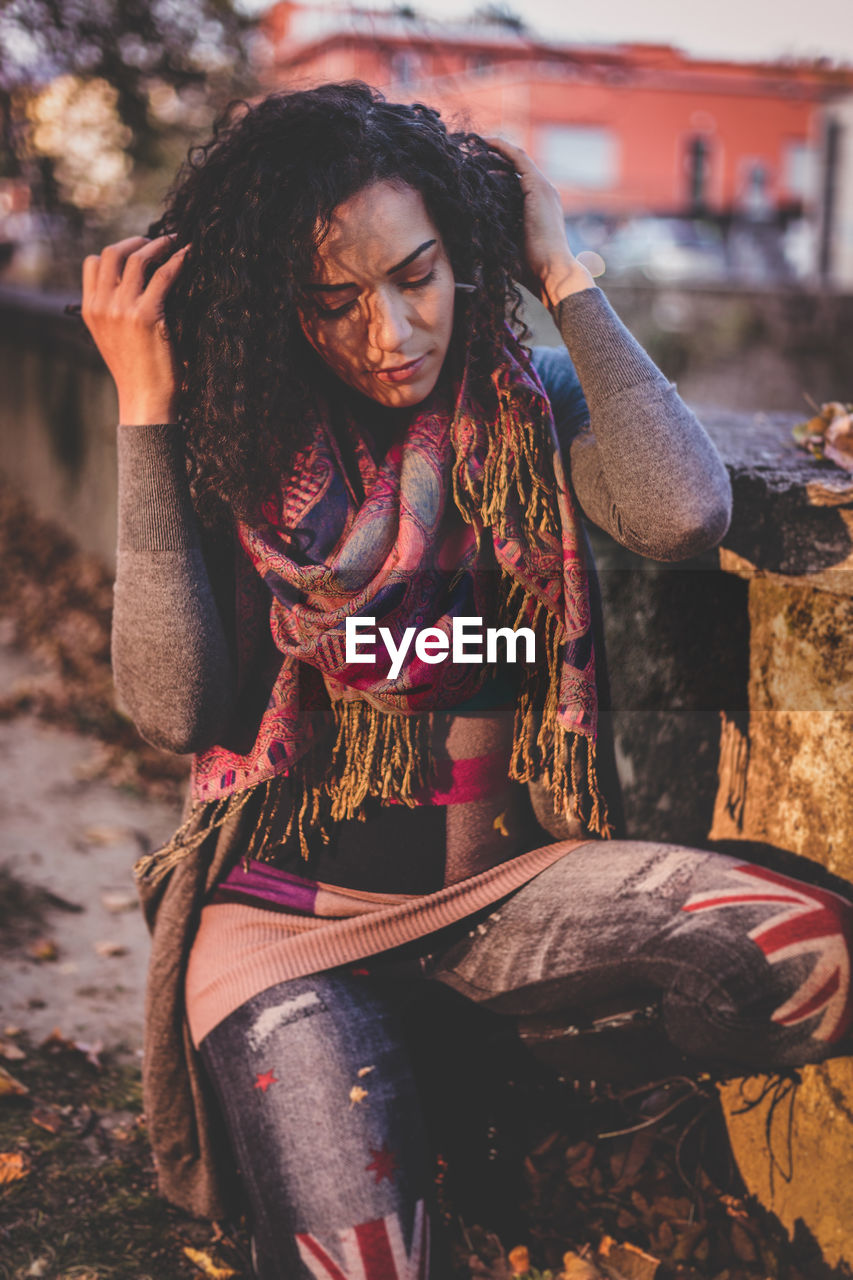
point(318, 326)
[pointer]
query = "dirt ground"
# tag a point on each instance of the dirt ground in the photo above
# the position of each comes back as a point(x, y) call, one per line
point(78, 1198)
point(67, 849)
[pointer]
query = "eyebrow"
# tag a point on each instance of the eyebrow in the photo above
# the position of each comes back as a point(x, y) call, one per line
point(350, 284)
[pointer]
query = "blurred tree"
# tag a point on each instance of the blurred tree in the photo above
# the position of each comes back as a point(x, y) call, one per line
point(128, 44)
point(501, 15)
point(99, 100)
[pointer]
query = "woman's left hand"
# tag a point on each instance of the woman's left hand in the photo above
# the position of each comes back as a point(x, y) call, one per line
point(549, 258)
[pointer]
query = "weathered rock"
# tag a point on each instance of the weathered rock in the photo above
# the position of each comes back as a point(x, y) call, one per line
point(788, 515)
point(784, 780)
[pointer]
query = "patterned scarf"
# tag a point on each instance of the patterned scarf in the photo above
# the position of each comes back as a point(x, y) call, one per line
point(468, 515)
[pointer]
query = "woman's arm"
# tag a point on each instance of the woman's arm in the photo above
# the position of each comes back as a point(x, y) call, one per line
point(642, 466)
point(645, 469)
point(171, 662)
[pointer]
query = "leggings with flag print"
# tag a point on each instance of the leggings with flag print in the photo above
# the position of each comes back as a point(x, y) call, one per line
point(750, 967)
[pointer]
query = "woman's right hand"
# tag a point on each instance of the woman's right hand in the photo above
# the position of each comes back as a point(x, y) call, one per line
point(126, 318)
point(550, 261)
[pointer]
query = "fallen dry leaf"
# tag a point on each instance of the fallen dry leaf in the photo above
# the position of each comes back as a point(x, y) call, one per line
point(579, 1161)
point(115, 902)
point(702, 1250)
point(43, 949)
point(13, 1166)
point(91, 1052)
point(104, 834)
point(641, 1204)
point(11, 1052)
point(689, 1234)
point(743, 1244)
point(481, 1270)
point(205, 1263)
point(626, 1261)
point(735, 1208)
point(118, 1124)
point(519, 1260)
point(487, 1260)
point(673, 1207)
point(47, 1117)
point(109, 949)
point(665, 1237)
point(626, 1167)
point(56, 1040)
point(577, 1268)
point(356, 1095)
point(829, 434)
point(10, 1087)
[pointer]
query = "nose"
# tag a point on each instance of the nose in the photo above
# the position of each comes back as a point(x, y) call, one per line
point(388, 324)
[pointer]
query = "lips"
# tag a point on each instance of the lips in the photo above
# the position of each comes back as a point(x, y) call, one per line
point(402, 372)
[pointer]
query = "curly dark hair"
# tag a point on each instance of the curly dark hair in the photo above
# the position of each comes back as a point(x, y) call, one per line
point(253, 204)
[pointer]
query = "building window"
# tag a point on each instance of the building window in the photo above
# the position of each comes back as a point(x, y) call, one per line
point(580, 155)
point(405, 67)
point(756, 196)
point(698, 164)
point(799, 170)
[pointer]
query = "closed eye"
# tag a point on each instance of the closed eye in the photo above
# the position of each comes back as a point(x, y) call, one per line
point(335, 311)
point(408, 285)
point(419, 284)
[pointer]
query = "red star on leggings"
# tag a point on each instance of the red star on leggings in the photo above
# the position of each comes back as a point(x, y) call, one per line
point(383, 1164)
point(264, 1080)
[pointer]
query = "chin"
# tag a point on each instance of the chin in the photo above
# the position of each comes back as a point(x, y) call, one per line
point(405, 396)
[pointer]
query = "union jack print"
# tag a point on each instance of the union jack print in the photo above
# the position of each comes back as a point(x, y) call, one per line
point(372, 1251)
point(808, 921)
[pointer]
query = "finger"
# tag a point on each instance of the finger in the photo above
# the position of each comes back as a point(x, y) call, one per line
point(163, 278)
point(133, 278)
point(111, 263)
point(90, 276)
point(517, 155)
point(165, 274)
point(500, 143)
point(525, 167)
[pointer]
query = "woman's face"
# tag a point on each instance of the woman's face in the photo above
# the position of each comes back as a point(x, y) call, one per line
point(382, 296)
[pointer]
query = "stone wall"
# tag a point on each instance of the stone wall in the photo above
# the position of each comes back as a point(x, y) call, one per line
point(740, 349)
point(57, 419)
point(677, 650)
point(785, 789)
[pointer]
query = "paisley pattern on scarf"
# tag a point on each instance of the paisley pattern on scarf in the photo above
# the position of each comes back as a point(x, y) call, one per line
point(467, 515)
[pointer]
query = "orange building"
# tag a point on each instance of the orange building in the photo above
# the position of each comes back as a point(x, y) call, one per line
point(621, 129)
